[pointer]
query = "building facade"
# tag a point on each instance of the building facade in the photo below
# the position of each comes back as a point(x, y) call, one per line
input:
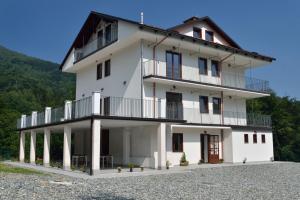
point(146, 95)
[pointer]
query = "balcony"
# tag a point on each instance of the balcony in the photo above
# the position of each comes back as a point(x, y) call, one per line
point(226, 79)
point(129, 108)
point(97, 44)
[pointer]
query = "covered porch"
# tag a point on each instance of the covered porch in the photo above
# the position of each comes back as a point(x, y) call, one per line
point(96, 144)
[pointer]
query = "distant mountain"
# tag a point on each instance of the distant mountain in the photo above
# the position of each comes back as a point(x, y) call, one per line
point(26, 84)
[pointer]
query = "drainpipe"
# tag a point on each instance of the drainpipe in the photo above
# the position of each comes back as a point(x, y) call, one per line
point(154, 69)
point(142, 80)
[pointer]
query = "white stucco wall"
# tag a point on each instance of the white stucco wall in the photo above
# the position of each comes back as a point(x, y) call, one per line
point(253, 152)
point(125, 66)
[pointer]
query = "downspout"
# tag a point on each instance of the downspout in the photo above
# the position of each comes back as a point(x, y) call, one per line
point(154, 70)
point(142, 81)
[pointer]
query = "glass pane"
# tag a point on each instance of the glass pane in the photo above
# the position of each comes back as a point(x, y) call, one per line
point(214, 68)
point(176, 64)
point(169, 65)
point(202, 66)
point(108, 34)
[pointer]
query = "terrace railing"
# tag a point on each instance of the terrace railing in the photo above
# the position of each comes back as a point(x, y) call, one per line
point(228, 79)
point(146, 108)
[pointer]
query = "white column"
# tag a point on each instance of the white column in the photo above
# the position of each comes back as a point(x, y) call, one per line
point(96, 96)
point(163, 109)
point(46, 157)
point(23, 121)
point(96, 130)
point(22, 147)
point(34, 118)
point(47, 115)
point(67, 148)
point(126, 146)
point(68, 110)
point(32, 146)
point(161, 145)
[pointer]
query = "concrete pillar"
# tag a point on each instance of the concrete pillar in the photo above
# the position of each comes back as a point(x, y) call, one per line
point(32, 146)
point(126, 146)
point(23, 121)
point(96, 130)
point(96, 96)
point(47, 115)
point(161, 145)
point(22, 147)
point(34, 118)
point(46, 157)
point(163, 109)
point(67, 148)
point(68, 110)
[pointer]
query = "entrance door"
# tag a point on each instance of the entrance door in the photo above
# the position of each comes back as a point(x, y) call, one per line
point(173, 61)
point(174, 105)
point(213, 149)
point(104, 142)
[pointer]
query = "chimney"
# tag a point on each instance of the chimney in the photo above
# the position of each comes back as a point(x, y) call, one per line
point(142, 18)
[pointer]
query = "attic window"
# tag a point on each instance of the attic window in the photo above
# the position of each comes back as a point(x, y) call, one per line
point(209, 36)
point(197, 33)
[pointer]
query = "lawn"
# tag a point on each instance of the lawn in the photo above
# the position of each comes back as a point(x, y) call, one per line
point(10, 169)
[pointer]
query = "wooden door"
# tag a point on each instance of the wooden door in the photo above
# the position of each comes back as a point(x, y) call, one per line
point(104, 142)
point(174, 105)
point(213, 149)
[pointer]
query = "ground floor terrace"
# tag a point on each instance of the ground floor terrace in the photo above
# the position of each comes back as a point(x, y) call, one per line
point(97, 133)
point(96, 143)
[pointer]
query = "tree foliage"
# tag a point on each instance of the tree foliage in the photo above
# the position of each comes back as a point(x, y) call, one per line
point(28, 84)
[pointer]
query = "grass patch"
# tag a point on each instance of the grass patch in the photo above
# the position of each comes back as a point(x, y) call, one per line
point(17, 170)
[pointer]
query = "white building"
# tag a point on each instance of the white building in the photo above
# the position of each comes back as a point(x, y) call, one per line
point(145, 95)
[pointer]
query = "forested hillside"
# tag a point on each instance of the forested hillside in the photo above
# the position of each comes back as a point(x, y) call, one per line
point(28, 84)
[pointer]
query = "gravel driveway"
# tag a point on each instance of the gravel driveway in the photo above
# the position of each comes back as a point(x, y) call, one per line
point(267, 181)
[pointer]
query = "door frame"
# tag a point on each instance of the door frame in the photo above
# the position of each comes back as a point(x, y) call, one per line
point(210, 159)
point(180, 64)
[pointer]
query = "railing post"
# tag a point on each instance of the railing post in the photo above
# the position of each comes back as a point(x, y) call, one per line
point(47, 115)
point(68, 110)
point(96, 96)
point(34, 118)
point(23, 121)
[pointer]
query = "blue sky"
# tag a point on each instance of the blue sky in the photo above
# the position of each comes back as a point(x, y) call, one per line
point(46, 29)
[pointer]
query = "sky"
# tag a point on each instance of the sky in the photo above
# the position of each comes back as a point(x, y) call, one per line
point(46, 28)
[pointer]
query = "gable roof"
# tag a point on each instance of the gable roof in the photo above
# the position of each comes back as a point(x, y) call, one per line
point(170, 32)
point(211, 23)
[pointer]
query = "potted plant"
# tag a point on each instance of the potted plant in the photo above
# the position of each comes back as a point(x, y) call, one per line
point(183, 161)
point(200, 162)
point(168, 164)
point(130, 165)
point(119, 169)
point(142, 168)
point(221, 161)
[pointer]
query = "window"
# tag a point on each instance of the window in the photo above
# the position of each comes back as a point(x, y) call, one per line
point(108, 34)
point(216, 105)
point(263, 138)
point(99, 71)
point(215, 71)
point(177, 142)
point(197, 32)
point(246, 139)
point(100, 39)
point(202, 64)
point(209, 36)
point(107, 68)
point(173, 62)
point(203, 100)
point(254, 138)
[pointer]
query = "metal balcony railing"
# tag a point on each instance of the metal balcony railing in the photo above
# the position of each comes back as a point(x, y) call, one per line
point(228, 79)
point(97, 44)
point(146, 108)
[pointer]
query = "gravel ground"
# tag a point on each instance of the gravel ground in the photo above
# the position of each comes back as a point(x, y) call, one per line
point(267, 181)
